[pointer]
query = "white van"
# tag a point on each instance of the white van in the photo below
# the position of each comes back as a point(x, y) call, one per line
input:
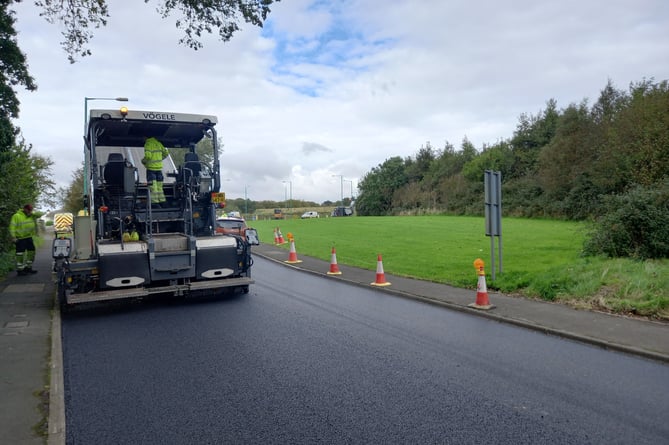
point(309, 215)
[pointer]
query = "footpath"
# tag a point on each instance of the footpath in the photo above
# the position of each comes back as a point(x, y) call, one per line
point(31, 355)
point(31, 394)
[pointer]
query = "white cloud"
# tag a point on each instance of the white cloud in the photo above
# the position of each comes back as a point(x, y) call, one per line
point(336, 87)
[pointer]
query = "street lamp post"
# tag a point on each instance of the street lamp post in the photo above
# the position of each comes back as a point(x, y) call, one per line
point(285, 194)
point(86, 99)
point(341, 183)
point(351, 181)
point(290, 202)
point(246, 201)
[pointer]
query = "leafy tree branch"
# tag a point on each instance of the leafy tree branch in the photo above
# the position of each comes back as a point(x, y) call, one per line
point(195, 17)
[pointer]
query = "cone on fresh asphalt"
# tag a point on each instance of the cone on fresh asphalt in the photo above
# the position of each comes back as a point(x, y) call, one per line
point(482, 301)
point(292, 255)
point(380, 275)
point(334, 268)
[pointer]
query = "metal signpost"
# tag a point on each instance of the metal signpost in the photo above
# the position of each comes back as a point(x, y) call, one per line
point(493, 214)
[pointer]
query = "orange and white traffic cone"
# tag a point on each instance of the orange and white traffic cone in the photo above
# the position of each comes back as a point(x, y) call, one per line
point(482, 301)
point(281, 240)
point(334, 268)
point(292, 255)
point(380, 275)
point(276, 237)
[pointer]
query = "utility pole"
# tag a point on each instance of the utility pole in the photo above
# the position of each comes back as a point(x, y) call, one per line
point(246, 201)
point(341, 182)
point(290, 202)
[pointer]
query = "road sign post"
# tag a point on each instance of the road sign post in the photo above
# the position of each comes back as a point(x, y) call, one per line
point(493, 214)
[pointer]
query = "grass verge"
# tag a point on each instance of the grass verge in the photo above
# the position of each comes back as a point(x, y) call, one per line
point(541, 258)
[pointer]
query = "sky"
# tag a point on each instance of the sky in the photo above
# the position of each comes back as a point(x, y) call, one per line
point(329, 89)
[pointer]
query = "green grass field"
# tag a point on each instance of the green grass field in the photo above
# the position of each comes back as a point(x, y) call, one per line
point(541, 258)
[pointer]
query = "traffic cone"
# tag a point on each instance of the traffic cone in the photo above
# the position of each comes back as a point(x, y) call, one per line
point(334, 269)
point(292, 255)
point(482, 301)
point(281, 240)
point(276, 237)
point(380, 275)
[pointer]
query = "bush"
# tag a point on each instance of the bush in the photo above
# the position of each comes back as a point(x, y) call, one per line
point(634, 225)
point(7, 262)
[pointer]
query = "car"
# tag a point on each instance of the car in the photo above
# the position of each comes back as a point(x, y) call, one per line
point(310, 215)
point(227, 225)
point(233, 226)
point(342, 211)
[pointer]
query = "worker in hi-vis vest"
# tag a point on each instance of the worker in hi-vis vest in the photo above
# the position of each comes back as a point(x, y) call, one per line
point(22, 228)
point(154, 153)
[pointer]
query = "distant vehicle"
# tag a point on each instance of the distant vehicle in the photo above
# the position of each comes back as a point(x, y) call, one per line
point(278, 214)
point(310, 215)
point(342, 211)
point(234, 214)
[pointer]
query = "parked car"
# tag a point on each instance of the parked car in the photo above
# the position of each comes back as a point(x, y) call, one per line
point(342, 211)
point(227, 225)
point(310, 215)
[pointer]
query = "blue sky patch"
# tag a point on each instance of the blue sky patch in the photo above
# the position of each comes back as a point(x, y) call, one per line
point(302, 62)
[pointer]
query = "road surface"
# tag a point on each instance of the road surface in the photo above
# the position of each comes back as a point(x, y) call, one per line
point(306, 359)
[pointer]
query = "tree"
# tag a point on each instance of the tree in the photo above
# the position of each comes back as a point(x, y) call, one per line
point(378, 186)
point(445, 164)
point(497, 157)
point(417, 168)
point(607, 174)
point(73, 194)
point(195, 18)
point(570, 154)
point(611, 101)
point(532, 134)
point(14, 72)
point(565, 165)
point(643, 133)
point(24, 177)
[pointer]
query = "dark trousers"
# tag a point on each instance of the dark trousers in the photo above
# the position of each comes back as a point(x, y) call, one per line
point(25, 253)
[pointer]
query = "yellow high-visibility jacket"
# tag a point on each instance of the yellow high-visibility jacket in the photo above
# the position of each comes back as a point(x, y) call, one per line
point(154, 153)
point(22, 226)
